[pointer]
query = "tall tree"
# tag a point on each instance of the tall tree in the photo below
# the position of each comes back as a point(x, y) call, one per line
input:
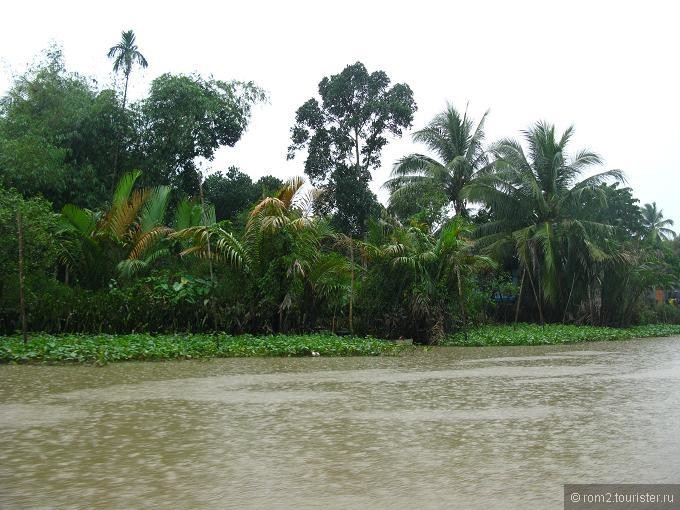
point(536, 200)
point(58, 134)
point(654, 225)
point(344, 135)
point(188, 117)
point(457, 144)
point(125, 54)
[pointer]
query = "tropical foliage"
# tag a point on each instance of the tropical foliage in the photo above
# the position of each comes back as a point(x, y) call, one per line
point(435, 182)
point(536, 201)
point(656, 227)
point(517, 230)
point(125, 54)
point(128, 235)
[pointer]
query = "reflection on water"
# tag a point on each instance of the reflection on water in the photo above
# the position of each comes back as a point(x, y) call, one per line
point(464, 428)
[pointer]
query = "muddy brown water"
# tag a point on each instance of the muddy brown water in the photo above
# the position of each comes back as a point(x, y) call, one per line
point(447, 428)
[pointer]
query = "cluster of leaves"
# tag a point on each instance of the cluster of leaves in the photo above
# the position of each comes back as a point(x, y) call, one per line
point(419, 284)
point(164, 303)
point(344, 135)
point(67, 139)
point(233, 192)
point(550, 334)
point(286, 269)
point(109, 348)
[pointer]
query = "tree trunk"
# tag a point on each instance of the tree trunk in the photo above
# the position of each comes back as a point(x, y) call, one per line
point(462, 304)
point(22, 301)
point(116, 154)
point(460, 208)
point(538, 301)
point(356, 148)
point(127, 78)
point(519, 296)
point(566, 308)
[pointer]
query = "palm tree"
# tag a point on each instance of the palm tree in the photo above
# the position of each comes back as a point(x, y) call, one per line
point(459, 154)
point(279, 252)
point(432, 269)
point(654, 224)
point(128, 235)
point(535, 199)
point(125, 55)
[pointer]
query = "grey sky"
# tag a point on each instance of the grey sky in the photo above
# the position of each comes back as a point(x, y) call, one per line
point(608, 67)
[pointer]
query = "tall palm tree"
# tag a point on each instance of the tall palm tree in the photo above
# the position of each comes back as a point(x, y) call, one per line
point(656, 227)
point(457, 145)
point(125, 55)
point(535, 199)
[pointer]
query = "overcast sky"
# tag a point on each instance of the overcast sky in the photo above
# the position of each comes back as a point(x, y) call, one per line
point(609, 68)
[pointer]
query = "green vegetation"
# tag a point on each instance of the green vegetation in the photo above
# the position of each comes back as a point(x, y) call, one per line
point(103, 348)
point(110, 348)
point(128, 228)
point(553, 334)
point(459, 145)
point(344, 135)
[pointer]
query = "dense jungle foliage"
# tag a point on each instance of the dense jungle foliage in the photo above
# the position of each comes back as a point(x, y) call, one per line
point(123, 232)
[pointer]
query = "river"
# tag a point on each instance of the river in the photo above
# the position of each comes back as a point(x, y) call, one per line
point(446, 428)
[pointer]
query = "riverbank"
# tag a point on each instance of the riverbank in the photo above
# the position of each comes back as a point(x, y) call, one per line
point(101, 348)
point(43, 348)
point(554, 334)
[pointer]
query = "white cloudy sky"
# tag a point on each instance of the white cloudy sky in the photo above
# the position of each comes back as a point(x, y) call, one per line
point(611, 68)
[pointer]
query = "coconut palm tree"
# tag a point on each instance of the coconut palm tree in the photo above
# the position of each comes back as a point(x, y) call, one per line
point(654, 224)
point(125, 55)
point(457, 145)
point(535, 200)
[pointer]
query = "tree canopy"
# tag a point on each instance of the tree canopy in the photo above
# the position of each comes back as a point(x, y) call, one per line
point(344, 134)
